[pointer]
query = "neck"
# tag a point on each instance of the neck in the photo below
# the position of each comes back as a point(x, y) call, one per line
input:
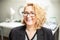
point(30, 28)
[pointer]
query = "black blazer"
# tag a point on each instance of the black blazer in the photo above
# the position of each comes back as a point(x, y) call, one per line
point(19, 34)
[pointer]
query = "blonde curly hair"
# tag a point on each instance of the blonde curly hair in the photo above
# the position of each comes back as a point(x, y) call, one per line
point(40, 15)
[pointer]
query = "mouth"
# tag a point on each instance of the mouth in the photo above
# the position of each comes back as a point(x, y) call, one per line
point(29, 20)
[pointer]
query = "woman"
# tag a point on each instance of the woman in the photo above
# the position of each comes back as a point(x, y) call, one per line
point(34, 18)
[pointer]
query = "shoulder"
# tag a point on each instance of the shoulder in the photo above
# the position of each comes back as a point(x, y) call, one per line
point(16, 30)
point(46, 30)
point(48, 33)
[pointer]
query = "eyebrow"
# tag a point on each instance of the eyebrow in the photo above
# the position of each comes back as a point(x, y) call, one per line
point(30, 4)
point(31, 11)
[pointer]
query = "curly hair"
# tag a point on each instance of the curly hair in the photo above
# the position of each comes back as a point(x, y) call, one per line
point(40, 15)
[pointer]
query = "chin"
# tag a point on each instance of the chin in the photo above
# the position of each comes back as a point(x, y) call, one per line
point(29, 23)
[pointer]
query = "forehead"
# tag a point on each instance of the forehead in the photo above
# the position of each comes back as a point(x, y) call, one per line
point(29, 8)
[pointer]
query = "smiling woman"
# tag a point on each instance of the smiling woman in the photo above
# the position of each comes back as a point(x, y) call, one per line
point(37, 13)
point(33, 18)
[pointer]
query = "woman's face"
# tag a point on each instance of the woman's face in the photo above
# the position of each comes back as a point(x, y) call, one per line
point(29, 16)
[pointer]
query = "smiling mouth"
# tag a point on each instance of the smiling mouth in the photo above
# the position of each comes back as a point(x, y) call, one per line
point(29, 19)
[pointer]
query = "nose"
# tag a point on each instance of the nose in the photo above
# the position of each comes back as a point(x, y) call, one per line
point(28, 15)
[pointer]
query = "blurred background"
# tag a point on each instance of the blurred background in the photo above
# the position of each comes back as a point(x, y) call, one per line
point(10, 10)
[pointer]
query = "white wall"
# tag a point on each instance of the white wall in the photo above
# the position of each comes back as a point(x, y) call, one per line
point(5, 11)
point(5, 8)
point(56, 9)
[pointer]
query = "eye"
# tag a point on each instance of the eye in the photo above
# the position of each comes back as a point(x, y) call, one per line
point(32, 13)
point(26, 13)
point(22, 12)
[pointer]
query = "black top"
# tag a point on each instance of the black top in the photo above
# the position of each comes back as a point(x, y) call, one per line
point(19, 34)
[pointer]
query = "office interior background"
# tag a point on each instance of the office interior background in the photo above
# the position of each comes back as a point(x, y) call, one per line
point(10, 10)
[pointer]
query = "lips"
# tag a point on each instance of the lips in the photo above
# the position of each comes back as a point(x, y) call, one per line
point(29, 20)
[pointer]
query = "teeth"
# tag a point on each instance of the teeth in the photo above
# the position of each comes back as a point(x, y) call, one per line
point(29, 19)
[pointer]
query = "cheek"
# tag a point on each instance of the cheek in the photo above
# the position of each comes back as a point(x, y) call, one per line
point(24, 18)
point(34, 19)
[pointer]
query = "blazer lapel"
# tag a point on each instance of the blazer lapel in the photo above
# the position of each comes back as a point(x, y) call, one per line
point(22, 33)
point(20, 36)
point(40, 34)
